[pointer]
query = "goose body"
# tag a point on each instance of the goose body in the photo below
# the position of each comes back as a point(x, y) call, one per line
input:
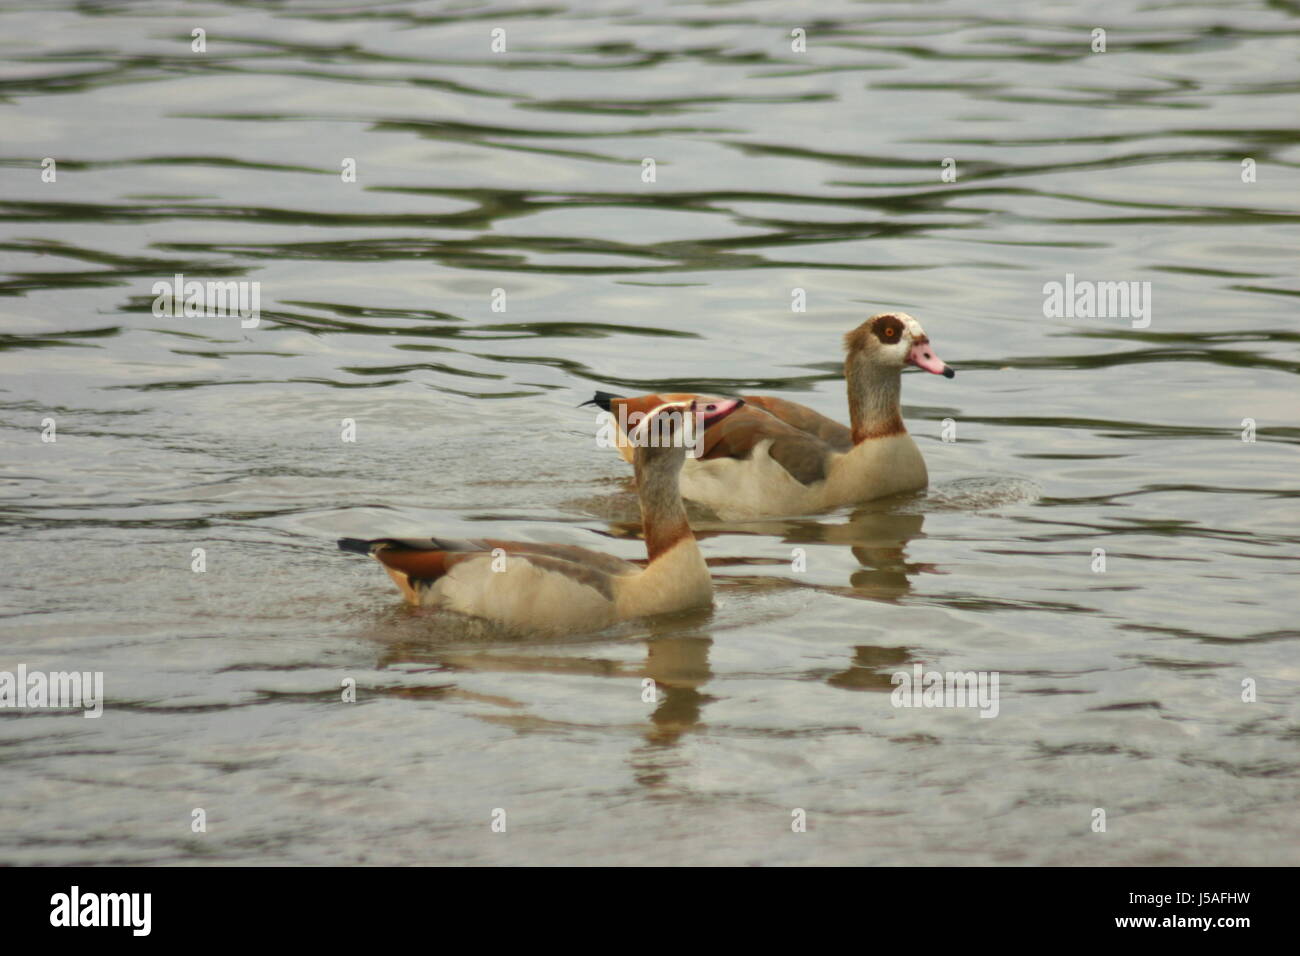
point(760, 484)
point(777, 457)
point(555, 587)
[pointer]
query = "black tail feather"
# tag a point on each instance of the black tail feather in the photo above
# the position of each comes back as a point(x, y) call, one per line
point(601, 400)
point(371, 545)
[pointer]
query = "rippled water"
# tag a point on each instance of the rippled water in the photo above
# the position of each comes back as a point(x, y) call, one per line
point(522, 171)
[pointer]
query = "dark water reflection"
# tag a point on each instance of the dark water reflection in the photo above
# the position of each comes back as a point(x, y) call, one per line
point(522, 172)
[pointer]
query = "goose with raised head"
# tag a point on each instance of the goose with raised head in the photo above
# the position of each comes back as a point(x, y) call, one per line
point(560, 587)
point(777, 457)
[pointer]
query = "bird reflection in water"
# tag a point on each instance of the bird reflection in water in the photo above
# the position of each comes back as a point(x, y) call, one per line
point(677, 646)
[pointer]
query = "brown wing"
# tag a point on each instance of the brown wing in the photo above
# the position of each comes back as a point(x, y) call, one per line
point(598, 560)
point(802, 439)
point(422, 566)
point(805, 419)
point(605, 563)
point(804, 455)
point(416, 563)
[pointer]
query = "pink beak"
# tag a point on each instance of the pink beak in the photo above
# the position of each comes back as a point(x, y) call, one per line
point(716, 410)
point(922, 356)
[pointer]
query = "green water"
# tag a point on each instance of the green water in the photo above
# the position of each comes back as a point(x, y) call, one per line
point(522, 171)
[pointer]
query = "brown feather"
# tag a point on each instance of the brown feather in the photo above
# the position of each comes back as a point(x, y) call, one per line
point(584, 574)
point(805, 419)
point(802, 439)
point(427, 565)
point(571, 553)
point(891, 426)
point(412, 569)
point(804, 456)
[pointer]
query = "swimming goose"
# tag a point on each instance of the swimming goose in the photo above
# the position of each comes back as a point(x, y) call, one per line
point(776, 457)
point(563, 587)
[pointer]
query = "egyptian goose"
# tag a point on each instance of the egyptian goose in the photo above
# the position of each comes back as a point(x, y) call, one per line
point(560, 587)
point(776, 457)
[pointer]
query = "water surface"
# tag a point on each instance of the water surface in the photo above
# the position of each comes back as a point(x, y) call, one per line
point(522, 171)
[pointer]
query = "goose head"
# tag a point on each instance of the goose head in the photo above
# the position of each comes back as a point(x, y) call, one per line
point(667, 433)
point(876, 351)
point(891, 340)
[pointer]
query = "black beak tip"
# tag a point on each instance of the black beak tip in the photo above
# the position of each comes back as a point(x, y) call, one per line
point(949, 372)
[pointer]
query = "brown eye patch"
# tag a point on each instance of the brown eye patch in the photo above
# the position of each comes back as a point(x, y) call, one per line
point(888, 328)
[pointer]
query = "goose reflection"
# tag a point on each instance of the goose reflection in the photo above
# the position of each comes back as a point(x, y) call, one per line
point(678, 663)
point(444, 646)
point(677, 646)
point(876, 535)
point(877, 540)
point(872, 668)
